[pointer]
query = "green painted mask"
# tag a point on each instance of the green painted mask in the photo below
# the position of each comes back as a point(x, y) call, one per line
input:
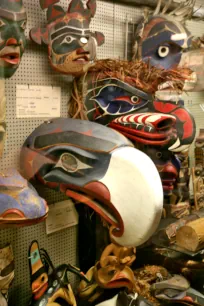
point(12, 38)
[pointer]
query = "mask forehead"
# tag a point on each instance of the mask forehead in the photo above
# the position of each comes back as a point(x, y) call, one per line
point(175, 32)
point(78, 26)
point(11, 5)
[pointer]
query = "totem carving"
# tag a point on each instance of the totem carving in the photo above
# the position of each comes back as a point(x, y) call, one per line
point(49, 284)
point(12, 44)
point(71, 44)
point(198, 171)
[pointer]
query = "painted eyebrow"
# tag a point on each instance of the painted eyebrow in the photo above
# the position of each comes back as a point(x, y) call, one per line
point(13, 16)
point(67, 29)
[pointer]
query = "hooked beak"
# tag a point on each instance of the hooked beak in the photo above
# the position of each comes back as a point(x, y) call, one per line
point(129, 196)
point(136, 197)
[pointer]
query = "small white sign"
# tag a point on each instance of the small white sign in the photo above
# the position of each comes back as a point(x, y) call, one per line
point(61, 215)
point(37, 101)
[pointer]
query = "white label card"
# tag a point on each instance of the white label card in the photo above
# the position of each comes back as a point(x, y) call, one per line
point(61, 215)
point(37, 101)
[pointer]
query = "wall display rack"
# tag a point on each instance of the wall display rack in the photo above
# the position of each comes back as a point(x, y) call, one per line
point(110, 19)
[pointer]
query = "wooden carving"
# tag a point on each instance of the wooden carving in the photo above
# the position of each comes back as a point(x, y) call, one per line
point(198, 171)
point(191, 236)
point(2, 115)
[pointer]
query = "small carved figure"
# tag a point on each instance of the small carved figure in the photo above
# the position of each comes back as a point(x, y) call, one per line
point(198, 171)
point(111, 271)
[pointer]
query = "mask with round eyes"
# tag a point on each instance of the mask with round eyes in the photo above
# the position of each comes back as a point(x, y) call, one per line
point(161, 37)
point(71, 44)
point(163, 42)
point(12, 37)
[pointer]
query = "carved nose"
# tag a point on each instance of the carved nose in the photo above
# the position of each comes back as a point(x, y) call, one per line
point(80, 51)
point(11, 42)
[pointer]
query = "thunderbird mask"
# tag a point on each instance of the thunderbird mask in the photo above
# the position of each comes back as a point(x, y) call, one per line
point(12, 38)
point(98, 166)
point(71, 44)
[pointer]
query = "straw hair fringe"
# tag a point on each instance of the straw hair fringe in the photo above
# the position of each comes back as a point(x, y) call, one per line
point(137, 74)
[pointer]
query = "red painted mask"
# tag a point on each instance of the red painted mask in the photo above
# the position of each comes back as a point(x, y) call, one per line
point(71, 44)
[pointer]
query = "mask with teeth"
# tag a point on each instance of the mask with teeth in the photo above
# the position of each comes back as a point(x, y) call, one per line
point(71, 44)
point(6, 273)
point(12, 38)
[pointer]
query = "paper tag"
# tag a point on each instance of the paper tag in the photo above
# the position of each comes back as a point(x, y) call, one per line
point(37, 101)
point(61, 215)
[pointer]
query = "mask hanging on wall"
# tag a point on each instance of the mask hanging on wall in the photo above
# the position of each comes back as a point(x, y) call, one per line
point(12, 44)
point(20, 203)
point(71, 44)
point(83, 160)
point(122, 96)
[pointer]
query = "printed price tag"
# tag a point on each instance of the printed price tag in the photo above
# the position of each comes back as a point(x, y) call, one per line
point(61, 215)
point(37, 101)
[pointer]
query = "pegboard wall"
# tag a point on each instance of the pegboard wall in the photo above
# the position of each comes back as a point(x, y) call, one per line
point(110, 19)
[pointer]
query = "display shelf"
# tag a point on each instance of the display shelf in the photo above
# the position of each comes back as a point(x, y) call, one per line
point(35, 70)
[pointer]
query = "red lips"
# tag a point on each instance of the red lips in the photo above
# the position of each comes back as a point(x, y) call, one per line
point(11, 58)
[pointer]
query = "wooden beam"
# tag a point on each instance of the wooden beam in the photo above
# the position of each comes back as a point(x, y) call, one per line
point(199, 11)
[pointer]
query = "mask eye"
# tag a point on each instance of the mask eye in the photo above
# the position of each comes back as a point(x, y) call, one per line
point(134, 99)
point(68, 40)
point(163, 51)
point(83, 40)
point(23, 24)
point(1, 23)
point(70, 163)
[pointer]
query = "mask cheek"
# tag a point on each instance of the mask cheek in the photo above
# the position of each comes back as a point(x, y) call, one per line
point(6, 281)
point(91, 48)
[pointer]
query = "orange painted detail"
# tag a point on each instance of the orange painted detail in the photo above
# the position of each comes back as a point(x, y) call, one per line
point(100, 189)
point(89, 132)
point(13, 213)
point(188, 299)
point(41, 291)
